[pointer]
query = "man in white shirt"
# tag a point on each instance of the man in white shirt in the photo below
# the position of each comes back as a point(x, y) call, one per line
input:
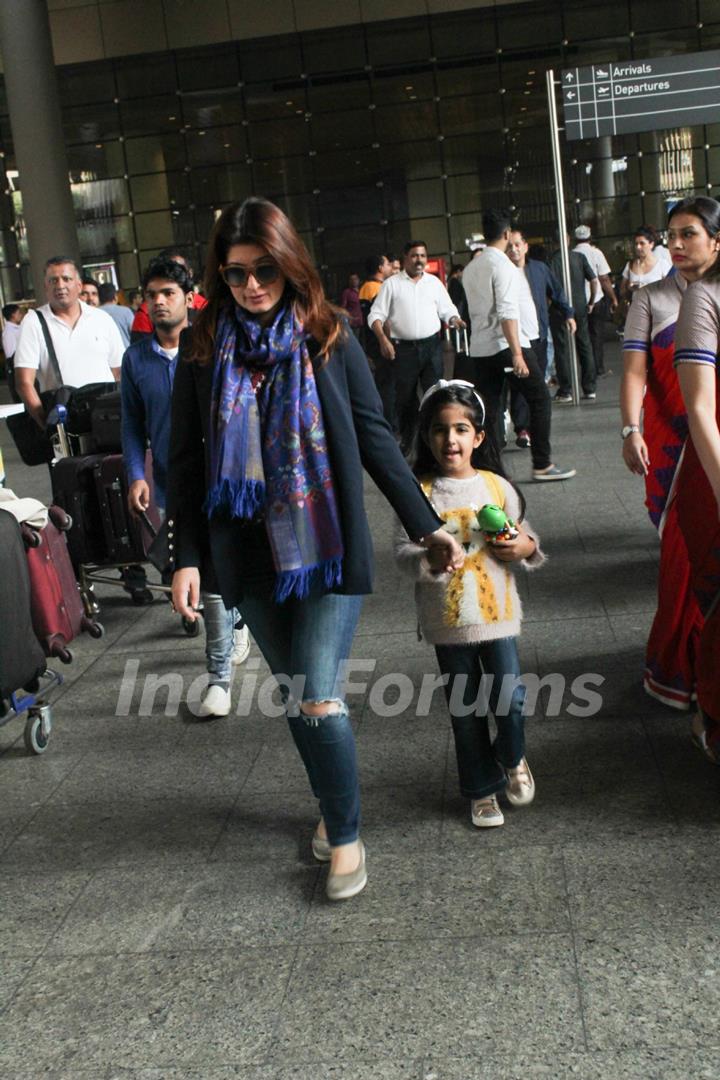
point(500, 341)
point(599, 311)
point(412, 304)
point(87, 343)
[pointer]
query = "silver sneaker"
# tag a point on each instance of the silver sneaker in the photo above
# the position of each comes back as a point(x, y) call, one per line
point(486, 813)
point(520, 790)
point(321, 848)
point(343, 886)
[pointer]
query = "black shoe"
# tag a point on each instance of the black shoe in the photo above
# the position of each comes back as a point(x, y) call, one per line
point(523, 439)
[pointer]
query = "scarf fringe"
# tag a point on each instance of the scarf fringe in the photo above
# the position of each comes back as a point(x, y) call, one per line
point(298, 583)
point(241, 499)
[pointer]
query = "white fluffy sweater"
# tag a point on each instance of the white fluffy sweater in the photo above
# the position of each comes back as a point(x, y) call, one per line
point(479, 602)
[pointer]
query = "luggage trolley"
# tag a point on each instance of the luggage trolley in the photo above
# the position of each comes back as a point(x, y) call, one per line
point(38, 723)
point(106, 538)
point(25, 680)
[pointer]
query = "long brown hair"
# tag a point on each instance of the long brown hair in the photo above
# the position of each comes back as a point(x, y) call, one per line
point(258, 221)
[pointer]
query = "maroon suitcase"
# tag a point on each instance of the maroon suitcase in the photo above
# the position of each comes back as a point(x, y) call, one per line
point(58, 615)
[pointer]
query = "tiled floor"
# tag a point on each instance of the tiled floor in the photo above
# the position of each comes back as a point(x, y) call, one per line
point(162, 916)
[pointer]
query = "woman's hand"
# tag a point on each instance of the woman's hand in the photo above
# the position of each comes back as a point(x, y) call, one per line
point(635, 454)
point(444, 552)
point(186, 592)
point(521, 547)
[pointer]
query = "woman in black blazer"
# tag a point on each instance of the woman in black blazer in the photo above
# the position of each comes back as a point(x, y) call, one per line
point(274, 416)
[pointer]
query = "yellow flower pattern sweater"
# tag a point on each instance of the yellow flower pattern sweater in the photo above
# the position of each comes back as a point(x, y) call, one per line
point(480, 601)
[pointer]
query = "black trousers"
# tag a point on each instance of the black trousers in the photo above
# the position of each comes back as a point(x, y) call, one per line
point(519, 411)
point(415, 362)
point(588, 377)
point(489, 381)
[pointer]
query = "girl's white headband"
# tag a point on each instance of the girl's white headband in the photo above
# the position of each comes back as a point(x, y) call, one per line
point(443, 384)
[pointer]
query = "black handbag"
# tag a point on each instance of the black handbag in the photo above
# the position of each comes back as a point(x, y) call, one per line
point(32, 442)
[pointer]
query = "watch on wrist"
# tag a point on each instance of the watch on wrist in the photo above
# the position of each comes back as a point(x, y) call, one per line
point(629, 429)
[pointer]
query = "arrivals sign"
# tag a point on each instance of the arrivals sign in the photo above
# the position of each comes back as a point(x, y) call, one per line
point(641, 95)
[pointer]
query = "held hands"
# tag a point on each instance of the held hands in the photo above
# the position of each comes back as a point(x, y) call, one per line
point(458, 323)
point(444, 554)
point(138, 497)
point(186, 592)
point(635, 454)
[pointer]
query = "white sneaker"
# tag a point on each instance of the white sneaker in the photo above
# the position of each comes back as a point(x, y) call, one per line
point(520, 790)
point(217, 702)
point(486, 812)
point(241, 646)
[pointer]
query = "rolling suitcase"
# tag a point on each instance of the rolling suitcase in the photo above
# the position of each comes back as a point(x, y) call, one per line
point(75, 491)
point(58, 615)
point(21, 658)
point(106, 430)
point(125, 539)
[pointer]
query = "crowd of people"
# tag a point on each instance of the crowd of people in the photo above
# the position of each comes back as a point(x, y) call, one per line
point(262, 403)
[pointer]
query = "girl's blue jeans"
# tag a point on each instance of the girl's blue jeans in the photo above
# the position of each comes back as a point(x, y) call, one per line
point(306, 641)
point(482, 762)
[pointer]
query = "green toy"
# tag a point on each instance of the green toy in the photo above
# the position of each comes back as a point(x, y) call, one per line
point(496, 526)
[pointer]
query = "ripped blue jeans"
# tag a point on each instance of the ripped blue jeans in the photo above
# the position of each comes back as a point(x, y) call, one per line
point(305, 643)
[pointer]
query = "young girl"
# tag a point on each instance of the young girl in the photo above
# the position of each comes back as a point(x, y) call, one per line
point(472, 616)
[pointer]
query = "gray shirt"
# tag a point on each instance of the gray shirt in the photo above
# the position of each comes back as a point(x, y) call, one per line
point(123, 319)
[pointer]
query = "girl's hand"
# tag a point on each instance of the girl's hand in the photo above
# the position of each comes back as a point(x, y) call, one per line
point(186, 592)
point(444, 552)
point(521, 547)
point(635, 454)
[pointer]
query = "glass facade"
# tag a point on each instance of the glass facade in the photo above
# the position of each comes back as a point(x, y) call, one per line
point(366, 135)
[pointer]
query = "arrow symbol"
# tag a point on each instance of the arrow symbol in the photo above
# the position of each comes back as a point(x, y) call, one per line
point(569, 77)
point(571, 95)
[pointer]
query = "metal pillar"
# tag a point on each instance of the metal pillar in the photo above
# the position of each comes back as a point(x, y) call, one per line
point(562, 223)
point(34, 106)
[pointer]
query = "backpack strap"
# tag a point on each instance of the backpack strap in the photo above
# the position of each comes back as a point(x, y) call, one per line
point(50, 347)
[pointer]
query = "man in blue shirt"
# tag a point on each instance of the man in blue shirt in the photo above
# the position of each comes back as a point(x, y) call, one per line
point(148, 371)
point(544, 289)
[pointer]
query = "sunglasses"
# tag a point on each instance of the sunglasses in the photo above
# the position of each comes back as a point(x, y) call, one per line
point(235, 275)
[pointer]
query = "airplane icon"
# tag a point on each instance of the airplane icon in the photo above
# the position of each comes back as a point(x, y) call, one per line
point(600, 74)
point(571, 95)
point(603, 90)
point(569, 77)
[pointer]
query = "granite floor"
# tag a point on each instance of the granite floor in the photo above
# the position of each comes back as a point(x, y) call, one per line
point(162, 916)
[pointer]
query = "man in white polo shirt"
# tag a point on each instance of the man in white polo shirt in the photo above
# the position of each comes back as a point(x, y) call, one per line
point(500, 343)
point(87, 344)
point(412, 303)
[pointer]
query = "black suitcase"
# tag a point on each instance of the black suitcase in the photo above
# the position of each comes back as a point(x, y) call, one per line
point(21, 658)
point(105, 420)
point(75, 490)
point(126, 541)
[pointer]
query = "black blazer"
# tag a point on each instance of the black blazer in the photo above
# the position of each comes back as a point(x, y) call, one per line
point(357, 435)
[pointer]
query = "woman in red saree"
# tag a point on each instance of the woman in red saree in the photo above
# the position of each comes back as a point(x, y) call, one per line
point(698, 488)
point(650, 386)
